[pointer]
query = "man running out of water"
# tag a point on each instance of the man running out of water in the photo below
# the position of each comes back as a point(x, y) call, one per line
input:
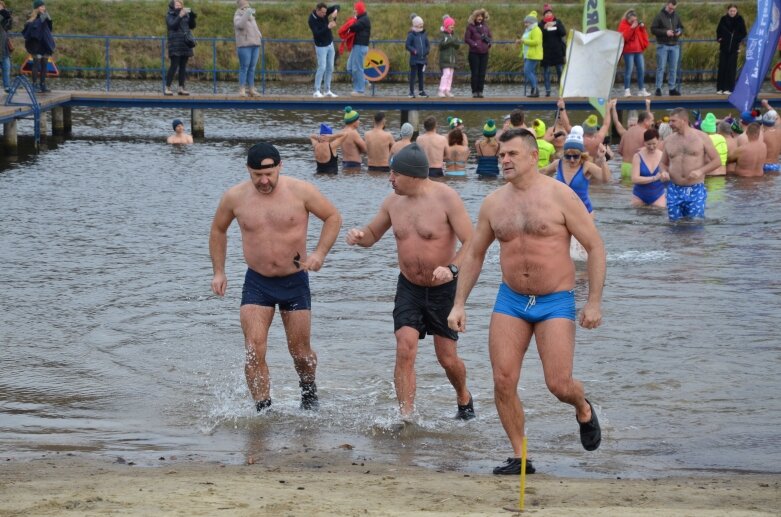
point(533, 217)
point(427, 217)
point(273, 215)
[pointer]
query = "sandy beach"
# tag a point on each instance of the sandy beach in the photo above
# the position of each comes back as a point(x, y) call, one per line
point(58, 484)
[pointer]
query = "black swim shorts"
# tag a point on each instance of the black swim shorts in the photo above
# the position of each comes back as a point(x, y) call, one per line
point(424, 308)
point(290, 292)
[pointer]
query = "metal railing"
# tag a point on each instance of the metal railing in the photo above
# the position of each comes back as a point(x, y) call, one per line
point(262, 71)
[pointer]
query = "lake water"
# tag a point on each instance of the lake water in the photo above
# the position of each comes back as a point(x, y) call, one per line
point(112, 343)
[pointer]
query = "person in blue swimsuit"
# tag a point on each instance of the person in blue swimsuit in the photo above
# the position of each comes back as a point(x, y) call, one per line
point(647, 176)
point(575, 168)
point(487, 149)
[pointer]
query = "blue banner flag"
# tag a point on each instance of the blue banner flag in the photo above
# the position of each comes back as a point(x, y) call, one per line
point(760, 47)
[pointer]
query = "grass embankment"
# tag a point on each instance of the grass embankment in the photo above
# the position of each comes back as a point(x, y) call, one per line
point(289, 20)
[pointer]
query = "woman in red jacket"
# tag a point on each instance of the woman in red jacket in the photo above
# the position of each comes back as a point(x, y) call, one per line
point(635, 42)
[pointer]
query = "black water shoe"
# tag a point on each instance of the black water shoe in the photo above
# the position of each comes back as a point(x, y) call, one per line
point(512, 467)
point(262, 404)
point(467, 411)
point(590, 432)
point(309, 396)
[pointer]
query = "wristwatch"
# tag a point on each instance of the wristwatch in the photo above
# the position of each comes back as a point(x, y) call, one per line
point(453, 269)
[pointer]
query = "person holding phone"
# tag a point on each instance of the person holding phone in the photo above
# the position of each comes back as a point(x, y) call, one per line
point(667, 28)
point(180, 21)
point(247, 46)
point(479, 40)
point(39, 42)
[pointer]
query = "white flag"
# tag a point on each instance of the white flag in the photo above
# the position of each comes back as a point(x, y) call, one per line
point(591, 63)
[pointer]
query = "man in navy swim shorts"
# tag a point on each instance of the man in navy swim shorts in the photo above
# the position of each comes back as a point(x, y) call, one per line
point(427, 217)
point(273, 215)
point(533, 217)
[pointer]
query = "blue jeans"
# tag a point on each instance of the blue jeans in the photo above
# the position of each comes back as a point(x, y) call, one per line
point(325, 66)
point(248, 59)
point(667, 55)
point(530, 72)
point(6, 73)
point(546, 73)
point(355, 67)
point(631, 61)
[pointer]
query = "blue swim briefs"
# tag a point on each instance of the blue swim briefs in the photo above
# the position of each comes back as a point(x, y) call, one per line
point(290, 292)
point(686, 201)
point(771, 167)
point(535, 308)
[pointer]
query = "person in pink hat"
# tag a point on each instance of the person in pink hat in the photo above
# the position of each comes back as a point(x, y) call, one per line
point(448, 52)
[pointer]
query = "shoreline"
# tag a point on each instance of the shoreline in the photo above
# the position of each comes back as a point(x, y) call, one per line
point(313, 483)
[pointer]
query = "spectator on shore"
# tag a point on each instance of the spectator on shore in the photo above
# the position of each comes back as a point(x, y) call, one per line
point(730, 33)
point(531, 52)
point(180, 136)
point(418, 47)
point(487, 149)
point(667, 28)
point(448, 49)
point(6, 22)
point(635, 43)
point(321, 21)
point(478, 38)
point(554, 48)
point(39, 42)
point(180, 21)
point(247, 46)
point(362, 30)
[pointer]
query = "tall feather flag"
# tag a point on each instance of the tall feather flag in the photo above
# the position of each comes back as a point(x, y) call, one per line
point(760, 47)
point(594, 20)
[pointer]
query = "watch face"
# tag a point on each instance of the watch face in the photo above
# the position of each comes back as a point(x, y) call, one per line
point(453, 269)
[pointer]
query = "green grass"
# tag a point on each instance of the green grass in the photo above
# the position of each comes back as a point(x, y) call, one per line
point(289, 20)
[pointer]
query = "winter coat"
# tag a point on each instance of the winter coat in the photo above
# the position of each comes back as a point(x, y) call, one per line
point(38, 39)
point(246, 28)
point(177, 28)
point(730, 33)
point(418, 47)
point(347, 37)
point(475, 38)
point(554, 49)
point(663, 22)
point(362, 29)
point(635, 40)
point(319, 27)
point(5, 25)
point(532, 44)
point(448, 50)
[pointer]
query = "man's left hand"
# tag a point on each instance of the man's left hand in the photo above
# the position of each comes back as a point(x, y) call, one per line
point(590, 316)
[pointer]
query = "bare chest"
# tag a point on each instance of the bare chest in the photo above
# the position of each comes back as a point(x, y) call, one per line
point(261, 216)
point(426, 221)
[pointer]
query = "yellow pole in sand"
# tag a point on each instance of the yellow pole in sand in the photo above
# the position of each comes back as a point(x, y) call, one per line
point(523, 472)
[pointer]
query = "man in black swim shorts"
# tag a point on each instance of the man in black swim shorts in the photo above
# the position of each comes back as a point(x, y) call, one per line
point(427, 218)
point(273, 214)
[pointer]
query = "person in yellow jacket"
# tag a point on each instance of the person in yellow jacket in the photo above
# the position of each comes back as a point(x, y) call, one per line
point(708, 125)
point(532, 51)
point(545, 148)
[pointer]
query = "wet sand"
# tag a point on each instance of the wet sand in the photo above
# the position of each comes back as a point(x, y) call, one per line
point(332, 484)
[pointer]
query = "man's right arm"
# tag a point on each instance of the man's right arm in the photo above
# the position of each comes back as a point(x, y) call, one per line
point(372, 232)
point(218, 243)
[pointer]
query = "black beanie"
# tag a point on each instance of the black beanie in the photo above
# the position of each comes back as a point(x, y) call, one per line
point(410, 161)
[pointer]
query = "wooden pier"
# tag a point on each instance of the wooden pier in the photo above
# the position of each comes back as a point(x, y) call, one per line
point(60, 104)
